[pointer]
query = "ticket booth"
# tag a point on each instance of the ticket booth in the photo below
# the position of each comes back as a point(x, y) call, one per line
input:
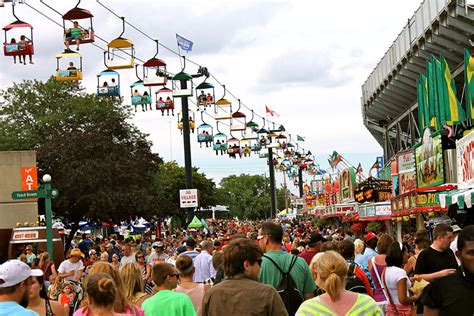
point(35, 236)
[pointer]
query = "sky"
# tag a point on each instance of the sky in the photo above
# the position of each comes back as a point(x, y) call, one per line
point(304, 59)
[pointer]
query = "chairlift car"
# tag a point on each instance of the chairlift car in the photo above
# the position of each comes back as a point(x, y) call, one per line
point(205, 95)
point(154, 71)
point(192, 121)
point(233, 147)
point(141, 95)
point(164, 101)
point(205, 134)
point(178, 89)
point(220, 142)
point(86, 33)
point(245, 147)
point(238, 122)
point(24, 45)
point(223, 108)
point(71, 72)
point(120, 44)
point(108, 83)
point(251, 130)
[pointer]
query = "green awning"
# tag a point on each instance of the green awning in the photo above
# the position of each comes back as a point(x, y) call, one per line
point(462, 197)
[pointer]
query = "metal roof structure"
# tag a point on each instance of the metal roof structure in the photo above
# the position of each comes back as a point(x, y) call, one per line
point(389, 101)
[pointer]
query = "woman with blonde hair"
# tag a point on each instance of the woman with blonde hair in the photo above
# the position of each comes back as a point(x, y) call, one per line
point(133, 284)
point(121, 305)
point(101, 292)
point(331, 272)
point(187, 286)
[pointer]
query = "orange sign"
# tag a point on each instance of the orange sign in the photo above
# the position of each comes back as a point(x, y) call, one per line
point(29, 178)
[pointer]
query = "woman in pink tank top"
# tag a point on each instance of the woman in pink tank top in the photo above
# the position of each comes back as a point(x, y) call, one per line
point(377, 265)
point(187, 286)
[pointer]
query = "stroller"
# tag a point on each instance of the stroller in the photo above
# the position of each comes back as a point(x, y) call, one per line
point(76, 290)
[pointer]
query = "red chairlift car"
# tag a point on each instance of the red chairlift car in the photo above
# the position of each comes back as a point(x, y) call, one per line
point(24, 46)
point(154, 71)
point(76, 13)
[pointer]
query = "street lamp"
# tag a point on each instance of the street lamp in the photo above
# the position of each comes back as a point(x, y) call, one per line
point(49, 213)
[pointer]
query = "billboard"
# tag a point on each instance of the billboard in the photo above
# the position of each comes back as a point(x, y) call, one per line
point(429, 161)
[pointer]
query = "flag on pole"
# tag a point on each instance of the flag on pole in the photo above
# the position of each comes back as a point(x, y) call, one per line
point(423, 111)
point(272, 113)
point(432, 92)
point(300, 138)
point(334, 159)
point(453, 110)
point(359, 168)
point(184, 44)
point(469, 83)
point(376, 165)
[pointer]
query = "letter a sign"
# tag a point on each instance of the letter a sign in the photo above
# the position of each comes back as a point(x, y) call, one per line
point(29, 178)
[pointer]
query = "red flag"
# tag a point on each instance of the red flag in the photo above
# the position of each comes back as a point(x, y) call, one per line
point(272, 113)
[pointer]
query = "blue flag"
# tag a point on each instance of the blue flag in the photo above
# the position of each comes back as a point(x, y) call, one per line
point(184, 44)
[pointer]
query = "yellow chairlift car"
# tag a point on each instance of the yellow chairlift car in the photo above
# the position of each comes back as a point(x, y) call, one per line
point(66, 70)
point(120, 44)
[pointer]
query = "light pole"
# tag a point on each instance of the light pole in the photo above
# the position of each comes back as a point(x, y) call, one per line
point(49, 213)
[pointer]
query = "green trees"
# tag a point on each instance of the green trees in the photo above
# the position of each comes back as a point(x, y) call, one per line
point(248, 196)
point(169, 179)
point(101, 164)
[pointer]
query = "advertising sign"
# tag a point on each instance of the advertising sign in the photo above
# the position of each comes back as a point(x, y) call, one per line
point(25, 235)
point(383, 209)
point(429, 161)
point(188, 198)
point(427, 199)
point(465, 161)
point(406, 161)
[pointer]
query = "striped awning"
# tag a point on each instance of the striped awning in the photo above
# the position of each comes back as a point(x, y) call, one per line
point(463, 198)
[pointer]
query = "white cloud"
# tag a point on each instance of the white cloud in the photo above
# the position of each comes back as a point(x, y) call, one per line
point(306, 59)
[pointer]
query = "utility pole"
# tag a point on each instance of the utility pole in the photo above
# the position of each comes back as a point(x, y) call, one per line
point(286, 191)
point(188, 167)
point(272, 182)
point(300, 181)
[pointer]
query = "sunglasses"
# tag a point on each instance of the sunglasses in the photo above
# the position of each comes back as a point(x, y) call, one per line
point(140, 257)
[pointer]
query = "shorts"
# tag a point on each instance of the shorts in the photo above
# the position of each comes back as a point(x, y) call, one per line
point(71, 38)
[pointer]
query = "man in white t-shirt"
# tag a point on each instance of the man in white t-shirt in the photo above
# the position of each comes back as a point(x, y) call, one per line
point(454, 243)
point(71, 269)
point(128, 255)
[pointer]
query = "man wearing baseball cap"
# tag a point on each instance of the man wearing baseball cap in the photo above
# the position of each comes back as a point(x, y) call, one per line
point(158, 255)
point(369, 252)
point(15, 282)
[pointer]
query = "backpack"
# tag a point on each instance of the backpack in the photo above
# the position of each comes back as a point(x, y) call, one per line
point(289, 293)
point(353, 283)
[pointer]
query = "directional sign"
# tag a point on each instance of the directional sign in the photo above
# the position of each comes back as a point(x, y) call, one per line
point(188, 198)
point(33, 194)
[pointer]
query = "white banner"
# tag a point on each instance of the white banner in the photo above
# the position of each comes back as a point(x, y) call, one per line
point(465, 161)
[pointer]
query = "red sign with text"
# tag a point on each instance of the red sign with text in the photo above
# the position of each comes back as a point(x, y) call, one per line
point(29, 178)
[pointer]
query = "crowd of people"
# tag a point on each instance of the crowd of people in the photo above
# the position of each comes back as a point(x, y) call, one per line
point(248, 268)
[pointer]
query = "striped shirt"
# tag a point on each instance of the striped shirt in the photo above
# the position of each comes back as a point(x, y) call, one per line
point(364, 306)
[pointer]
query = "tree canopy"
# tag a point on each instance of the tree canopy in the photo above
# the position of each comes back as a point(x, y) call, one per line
point(248, 196)
point(102, 165)
point(170, 178)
